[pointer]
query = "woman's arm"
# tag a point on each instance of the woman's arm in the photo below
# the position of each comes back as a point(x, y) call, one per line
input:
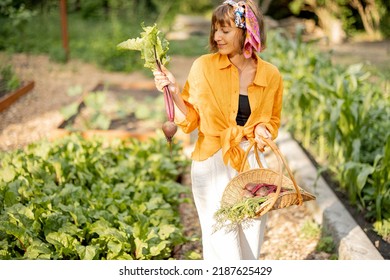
point(270, 130)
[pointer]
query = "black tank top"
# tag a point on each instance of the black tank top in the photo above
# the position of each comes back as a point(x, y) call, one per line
point(244, 110)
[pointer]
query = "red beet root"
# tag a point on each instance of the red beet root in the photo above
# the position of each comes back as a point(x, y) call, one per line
point(261, 189)
point(169, 128)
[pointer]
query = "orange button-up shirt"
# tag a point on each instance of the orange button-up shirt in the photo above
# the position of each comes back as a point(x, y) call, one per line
point(211, 94)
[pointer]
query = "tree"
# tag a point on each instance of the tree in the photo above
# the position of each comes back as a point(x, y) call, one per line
point(339, 17)
point(370, 15)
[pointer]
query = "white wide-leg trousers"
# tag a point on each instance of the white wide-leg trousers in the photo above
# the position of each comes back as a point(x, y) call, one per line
point(209, 179)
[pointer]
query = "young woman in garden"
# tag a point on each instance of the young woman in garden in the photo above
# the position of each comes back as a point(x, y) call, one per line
point(233, 98)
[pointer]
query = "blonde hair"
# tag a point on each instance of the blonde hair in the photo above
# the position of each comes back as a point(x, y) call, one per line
point(223, 15)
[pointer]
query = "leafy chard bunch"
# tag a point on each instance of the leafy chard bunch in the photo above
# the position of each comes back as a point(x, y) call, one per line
point(154, 48)
point(150, 39)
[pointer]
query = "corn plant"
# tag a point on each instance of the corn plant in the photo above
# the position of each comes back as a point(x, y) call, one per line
point(343, 118)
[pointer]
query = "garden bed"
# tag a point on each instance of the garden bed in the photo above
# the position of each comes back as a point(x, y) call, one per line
point(117, 110)
point(6, 99)
point(91, 200)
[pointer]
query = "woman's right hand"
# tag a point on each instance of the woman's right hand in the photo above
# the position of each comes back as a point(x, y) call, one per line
point(164, 78)
point(261, 132)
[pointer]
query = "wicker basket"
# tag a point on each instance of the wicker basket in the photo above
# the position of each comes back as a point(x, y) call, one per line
point(292, 194)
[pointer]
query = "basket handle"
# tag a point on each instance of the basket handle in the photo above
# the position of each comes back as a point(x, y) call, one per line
point(281, 162)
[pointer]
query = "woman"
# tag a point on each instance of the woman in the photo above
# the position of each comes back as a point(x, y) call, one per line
point(233, 98)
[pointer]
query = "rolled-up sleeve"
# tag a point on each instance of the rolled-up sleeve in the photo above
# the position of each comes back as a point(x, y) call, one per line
point(191, 122)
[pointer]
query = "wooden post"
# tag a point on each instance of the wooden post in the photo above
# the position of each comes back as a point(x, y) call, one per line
point(64, 29)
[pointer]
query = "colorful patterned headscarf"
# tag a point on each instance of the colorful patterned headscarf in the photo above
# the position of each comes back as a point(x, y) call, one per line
point(246, 19)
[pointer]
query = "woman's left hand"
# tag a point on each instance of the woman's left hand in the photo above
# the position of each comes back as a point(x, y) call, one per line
point(261, 132)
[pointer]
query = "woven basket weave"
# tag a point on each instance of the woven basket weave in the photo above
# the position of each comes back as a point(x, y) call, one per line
point(292, 194)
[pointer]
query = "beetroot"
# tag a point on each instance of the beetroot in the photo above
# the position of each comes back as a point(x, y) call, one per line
point(169, 127)
point(250, 187)
point(259, 190)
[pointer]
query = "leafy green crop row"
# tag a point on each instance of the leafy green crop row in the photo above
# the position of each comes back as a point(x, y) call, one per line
point(341, 115)
point(83, 199)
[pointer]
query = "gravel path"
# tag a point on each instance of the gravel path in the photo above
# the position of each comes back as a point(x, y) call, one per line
point(35, 115)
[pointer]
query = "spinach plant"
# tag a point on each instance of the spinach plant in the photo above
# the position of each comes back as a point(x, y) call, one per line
point(91, 199)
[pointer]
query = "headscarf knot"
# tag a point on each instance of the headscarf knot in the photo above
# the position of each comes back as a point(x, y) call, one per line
point(246, 19)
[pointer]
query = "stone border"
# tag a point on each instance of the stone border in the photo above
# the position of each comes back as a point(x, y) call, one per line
point(350, 239)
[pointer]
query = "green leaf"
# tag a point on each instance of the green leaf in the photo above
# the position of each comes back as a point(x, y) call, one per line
point(58, 170)
point(154, 203)
point(192, 255)
point(75, 90)
point(356, 144)
point(100, 121)
point(69, 110)
point(61, 239)
point(96, 100)
point(104, 228)
point(135, 44)
point(86, 252)
point(53, 222)
point(11, 195)
point(71, 229)
point(38, 250)
point(114, 246)
point(156, 250)
point(165, 231)
point(149, 40)
point(26, 211)
point(7, 174)
point(364, 172)
point(12, 229)
point(139, 248)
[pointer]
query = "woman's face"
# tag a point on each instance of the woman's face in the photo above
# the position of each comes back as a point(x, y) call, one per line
point(227, 39)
